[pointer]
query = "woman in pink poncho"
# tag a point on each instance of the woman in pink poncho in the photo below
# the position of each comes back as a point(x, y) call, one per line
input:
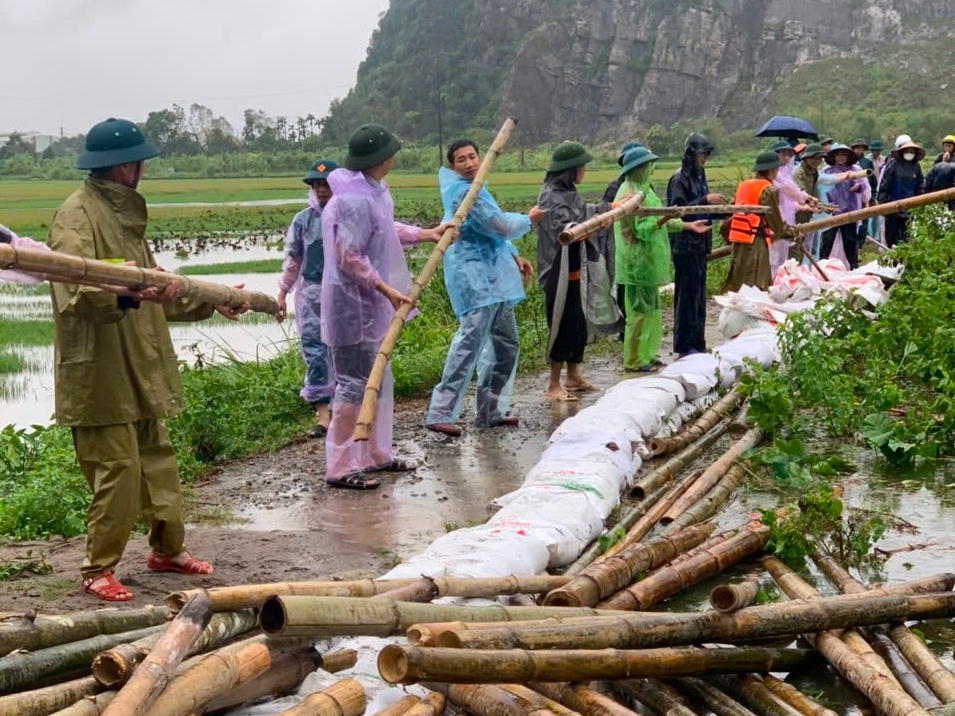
point(366, 279)
point(791, 200)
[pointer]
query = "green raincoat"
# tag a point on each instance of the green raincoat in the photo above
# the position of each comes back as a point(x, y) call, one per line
point(642, 265)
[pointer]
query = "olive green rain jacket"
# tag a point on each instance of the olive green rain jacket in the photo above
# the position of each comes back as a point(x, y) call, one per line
point(112, 365)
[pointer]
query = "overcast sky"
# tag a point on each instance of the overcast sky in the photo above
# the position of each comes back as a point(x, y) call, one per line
point(72, 63)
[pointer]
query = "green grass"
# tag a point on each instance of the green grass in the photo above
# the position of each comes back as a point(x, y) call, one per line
point(10, 363)
point(261, 266)
point(25, 333)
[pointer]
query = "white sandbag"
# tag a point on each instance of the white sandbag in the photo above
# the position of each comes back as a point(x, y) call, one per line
point(698, 374)
point(637, 385)
point(591, 445)
point(598, 418)
point(601, 482)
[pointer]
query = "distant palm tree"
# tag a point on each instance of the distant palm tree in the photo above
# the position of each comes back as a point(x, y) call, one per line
point(301, 123)
point(311, 124)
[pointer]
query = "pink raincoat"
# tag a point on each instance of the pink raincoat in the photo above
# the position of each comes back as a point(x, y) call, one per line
point(21, 242)
point(363, 247)
point(790, 196)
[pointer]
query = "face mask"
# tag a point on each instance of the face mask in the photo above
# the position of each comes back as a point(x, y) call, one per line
point(908, 156)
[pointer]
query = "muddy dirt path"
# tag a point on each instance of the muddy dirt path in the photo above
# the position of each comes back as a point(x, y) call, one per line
point(289, 526)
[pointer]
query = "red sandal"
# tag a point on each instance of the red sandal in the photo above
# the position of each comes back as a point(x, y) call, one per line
point(161, 563)
point(109, 589)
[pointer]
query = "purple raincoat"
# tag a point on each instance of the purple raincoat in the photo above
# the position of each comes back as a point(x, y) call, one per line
point(840, 194)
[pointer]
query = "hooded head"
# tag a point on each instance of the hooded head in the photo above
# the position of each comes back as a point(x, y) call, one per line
point(695, 144)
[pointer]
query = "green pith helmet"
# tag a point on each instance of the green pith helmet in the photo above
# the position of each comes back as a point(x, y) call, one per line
point(636, 157)
point(766, 161)
point(781, 145)
point(626, 148)
point(370, 145)
point(115, 141)
point(859, 143)
point(568, 155)
point(876, 145)
point(826, 139)
point(319, 170)
point(812, 150)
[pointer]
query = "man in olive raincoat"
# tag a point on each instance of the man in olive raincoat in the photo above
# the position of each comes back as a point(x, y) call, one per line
point(115, 368)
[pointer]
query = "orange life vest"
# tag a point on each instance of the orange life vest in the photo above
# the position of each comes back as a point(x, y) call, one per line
point(743, 227)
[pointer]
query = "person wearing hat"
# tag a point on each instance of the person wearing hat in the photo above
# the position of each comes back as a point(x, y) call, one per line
point(791, 200)
point(116, 372)
point(483, 275)
point(948, 149)
point(302, 273)
point(577, 288)
point(901, 178)
point(807, 177)
point(940, 177)
point(609, 193)
point(875, 228)
point(860, 147)
point(642, 257)
point(689, 250)
point(364, 282)
point(848, 196)
point(751, 234)
point(825, 142)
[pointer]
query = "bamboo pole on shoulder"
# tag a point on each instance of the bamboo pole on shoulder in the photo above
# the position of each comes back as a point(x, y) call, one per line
point(67, 268)
point(373, 386)
point(608, 576)
point(700, 427)
point(892, 207)
point(926, 664)
point(578, 232)
point(878, 688)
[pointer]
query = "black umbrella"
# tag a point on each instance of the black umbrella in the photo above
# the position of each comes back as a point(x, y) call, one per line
point(788, 128)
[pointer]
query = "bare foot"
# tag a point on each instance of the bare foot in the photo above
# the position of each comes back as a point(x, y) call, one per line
point(559, 395)
point(580, 386)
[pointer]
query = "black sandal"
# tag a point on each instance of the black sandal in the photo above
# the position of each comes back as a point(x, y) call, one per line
point(355, 481)
point(397, 465)
point(317, 431)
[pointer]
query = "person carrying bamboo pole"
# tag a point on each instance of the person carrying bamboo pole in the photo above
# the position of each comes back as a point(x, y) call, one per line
point(808, 178)
point(610, 193)
point(859, 147)
point(688, 187)
point(902, 178)
point(364, 282)
point(940, 177)
point(483, 276)
point(302, 273)
point(577, 287)
point(752, 234)
point(791, 200)
point(848, 196)
point(115, 369)
point(876, 227)
point(642, 258)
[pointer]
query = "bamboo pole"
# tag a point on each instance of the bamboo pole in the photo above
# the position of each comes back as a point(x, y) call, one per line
point(733, 597)
point(286, 671)
point(225, 599)
point(700, 427)
point(654, 629)
point(581, 698)
point(879, 689)
point(68, 268)
point(411, 664)
point(670, 579)
point(926, 664)
point(712, 698)
point(433, 704)
point(113, 667)
point(650, 693)
point(857, 174)
point(680, 211)
point(676, 464)
point(154, 672)
point(610, 575)
point(213, 676)
point(488, 700)
point(400, 706)
point(710, 503)
point(348, 616)
point(892, 207)
point(539, 700)
point(88, 706)
point(40, 702)
point(32, 633)
point(712, 474)
point(373, 386)
point(720, 252)
point(30, 669)
point(578, 232)
point(795, 698)
point(343, 698)
point(750, 691)
point(901, 669)
point(593, 553)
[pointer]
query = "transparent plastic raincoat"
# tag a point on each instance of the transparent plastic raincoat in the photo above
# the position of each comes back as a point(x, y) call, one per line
point(363, 247)
point(483, 284)
point(790, 196)
point(302, 273)
point(642, 258)
point(19, 242)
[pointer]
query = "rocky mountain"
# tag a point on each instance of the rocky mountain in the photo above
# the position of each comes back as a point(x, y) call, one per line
point(595, 69)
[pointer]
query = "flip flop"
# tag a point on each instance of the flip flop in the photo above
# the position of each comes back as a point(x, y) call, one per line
point(397, 465)
point(354, 481)
point(317, 431)
point(445, 428)
point(563, 397)
point(509, 421)
point(161, 563)
point(109, 591)
point(585, 387)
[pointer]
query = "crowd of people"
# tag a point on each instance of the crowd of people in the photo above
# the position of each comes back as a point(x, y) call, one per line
point(345, 265)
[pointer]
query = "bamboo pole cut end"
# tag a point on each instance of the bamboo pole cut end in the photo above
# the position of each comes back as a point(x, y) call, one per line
point(393, 664)
point(723, 598)
point(273, 617)
point(562, 598)
point(448, 639)
point(175, 601)
point(419, 635)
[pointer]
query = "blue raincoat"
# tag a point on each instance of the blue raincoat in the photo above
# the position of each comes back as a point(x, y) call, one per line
point(479, 268)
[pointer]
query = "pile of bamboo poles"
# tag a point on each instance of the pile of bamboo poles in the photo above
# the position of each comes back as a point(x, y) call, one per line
point(227, 645)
